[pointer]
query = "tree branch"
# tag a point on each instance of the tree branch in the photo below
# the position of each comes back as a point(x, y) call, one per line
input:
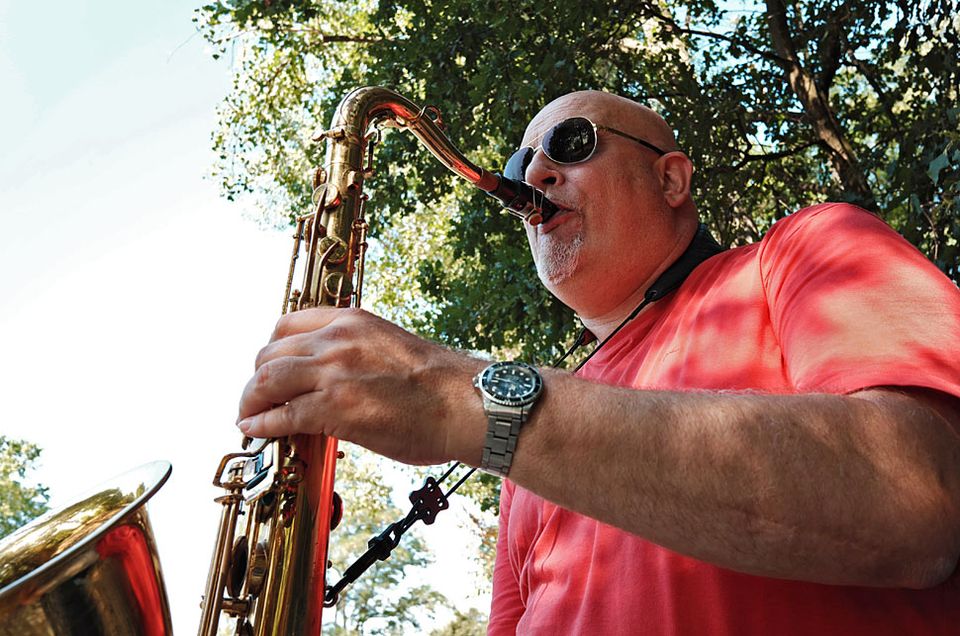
point(816, 103)
point(885, 100)
point(325, 38)
point(831, 49)
point(745, 45)
point(748, 158)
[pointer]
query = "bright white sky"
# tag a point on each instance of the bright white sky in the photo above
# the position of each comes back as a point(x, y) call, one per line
point(132, 298)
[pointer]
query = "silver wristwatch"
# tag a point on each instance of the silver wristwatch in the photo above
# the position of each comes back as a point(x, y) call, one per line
point(509, 390)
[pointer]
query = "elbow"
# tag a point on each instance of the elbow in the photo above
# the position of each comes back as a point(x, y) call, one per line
point(934, 555)
point(930, 573)
point(916, 572)
point(917, 544)
point(939, 574)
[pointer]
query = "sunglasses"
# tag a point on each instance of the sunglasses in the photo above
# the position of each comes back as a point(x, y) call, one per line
point(573, 140)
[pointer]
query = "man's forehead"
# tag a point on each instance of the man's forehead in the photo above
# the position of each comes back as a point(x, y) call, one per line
point(573, 105)
point(601, 108)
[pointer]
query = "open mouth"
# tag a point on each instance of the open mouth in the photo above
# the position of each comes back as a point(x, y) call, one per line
point(562, 215)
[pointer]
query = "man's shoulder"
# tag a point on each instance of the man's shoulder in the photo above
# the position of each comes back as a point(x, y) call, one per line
point(826, 229)
point(823, 217)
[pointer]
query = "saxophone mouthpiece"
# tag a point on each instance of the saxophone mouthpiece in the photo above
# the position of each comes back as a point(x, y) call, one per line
point(523, 200)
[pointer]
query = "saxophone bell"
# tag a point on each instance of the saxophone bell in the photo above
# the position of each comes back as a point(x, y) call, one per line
point(90, 567)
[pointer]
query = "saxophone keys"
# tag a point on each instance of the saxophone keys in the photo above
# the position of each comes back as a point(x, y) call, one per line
point(326, 195)
point(335, 134)
point(332, 249)
point(319, 177)
point(336, 514)
point(257, 569)
point(235, 607)
point(238, 567)
point(333, 285)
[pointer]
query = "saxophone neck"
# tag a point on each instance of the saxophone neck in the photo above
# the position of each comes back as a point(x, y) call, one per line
point(371, 105)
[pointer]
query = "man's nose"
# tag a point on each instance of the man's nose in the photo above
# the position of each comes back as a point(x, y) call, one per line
point(542, 172)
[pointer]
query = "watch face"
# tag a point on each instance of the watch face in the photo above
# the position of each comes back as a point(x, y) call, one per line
point(511, 383)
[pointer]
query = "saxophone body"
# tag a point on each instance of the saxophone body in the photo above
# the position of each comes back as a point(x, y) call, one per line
point(279, 506)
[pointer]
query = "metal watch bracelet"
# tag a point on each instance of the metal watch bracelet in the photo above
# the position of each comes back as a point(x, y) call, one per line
point(503, 429)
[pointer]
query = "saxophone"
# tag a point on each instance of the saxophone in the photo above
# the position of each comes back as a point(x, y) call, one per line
point(268, 569)
point(92, 567)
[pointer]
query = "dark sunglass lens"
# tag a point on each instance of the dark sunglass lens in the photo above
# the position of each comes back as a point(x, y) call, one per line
point(517, 164)
point(570, 141)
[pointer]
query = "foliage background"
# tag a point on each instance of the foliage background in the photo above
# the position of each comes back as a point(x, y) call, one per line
point(780, 106)
point(19, 501)
point(377, 602)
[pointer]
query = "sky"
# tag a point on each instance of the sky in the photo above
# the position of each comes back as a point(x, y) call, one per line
point(133, 298)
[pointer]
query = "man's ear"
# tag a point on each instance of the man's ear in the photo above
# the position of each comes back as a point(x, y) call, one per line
point(674, 170)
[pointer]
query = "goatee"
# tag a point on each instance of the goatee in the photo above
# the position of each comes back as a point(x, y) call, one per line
point(557, 260)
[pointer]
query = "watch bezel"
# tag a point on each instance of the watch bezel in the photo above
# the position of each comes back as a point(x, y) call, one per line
point(527, 398)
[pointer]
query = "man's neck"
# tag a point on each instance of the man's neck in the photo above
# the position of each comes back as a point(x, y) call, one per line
point(603, 324)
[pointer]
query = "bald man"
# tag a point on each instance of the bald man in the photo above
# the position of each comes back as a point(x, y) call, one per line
point(765, 440)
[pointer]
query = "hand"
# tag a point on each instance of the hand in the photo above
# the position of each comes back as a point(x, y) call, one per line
point(351, 375)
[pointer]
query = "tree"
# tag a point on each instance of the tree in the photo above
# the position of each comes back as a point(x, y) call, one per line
point(471, 623)
point(19, 503)
point(376, 602)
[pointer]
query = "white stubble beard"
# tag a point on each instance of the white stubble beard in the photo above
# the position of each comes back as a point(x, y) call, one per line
point(557, 259)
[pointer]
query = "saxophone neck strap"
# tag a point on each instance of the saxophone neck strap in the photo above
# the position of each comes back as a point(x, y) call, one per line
point(701, 247)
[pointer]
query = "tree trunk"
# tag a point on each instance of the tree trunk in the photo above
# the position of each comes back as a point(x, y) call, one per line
point(816, 105)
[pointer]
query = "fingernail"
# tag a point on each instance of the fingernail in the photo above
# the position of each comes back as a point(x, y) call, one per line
point(245, 424)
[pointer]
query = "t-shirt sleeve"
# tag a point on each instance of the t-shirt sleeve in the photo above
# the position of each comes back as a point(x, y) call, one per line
point(854, 305)
point(506, 606)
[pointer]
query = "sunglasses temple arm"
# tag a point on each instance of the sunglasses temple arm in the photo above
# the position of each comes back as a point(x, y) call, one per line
point(518, 198)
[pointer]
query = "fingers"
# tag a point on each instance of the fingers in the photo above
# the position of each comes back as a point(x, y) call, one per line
point(307, 320)
point(302, 332)
point(282, 420)
point(279, 381)
point(296, 345)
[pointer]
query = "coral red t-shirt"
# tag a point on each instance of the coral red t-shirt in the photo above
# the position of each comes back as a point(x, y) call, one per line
point(831, 300)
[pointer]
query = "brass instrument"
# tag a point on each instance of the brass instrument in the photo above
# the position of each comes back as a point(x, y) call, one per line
point(89, 568)
point(92, 568)
point(270, 556)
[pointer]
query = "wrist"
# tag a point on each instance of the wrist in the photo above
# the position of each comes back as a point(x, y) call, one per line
point(464, 420)
point(509, 391)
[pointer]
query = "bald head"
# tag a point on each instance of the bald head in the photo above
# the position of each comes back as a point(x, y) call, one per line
point(605, 109)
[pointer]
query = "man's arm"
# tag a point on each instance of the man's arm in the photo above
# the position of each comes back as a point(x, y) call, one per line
point(861, 489)
point(857, 490)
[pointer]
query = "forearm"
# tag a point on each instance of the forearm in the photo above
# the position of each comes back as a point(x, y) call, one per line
point(819, 487)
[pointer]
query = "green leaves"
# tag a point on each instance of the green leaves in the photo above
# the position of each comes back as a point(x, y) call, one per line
point(939, 163)
point(376, 602)
point(19, 503)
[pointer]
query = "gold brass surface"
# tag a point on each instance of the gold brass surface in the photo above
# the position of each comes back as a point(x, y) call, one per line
point(89, 568)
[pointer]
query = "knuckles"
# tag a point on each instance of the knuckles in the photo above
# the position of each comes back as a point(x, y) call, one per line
point(318, 319)
point(264, 374)
point(263, 356)
point(286, 421)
